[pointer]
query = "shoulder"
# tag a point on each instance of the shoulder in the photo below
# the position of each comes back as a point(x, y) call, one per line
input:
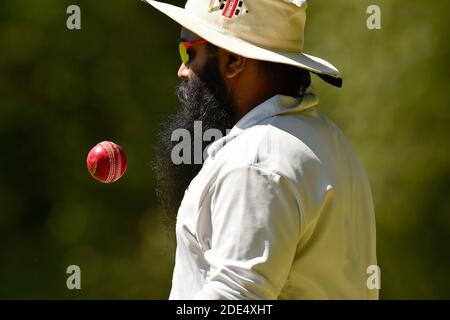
point(268, 146)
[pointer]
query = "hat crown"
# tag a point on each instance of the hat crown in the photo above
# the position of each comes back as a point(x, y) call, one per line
point(274, 24)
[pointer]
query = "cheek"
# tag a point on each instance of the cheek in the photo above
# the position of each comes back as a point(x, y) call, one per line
point(200, 59)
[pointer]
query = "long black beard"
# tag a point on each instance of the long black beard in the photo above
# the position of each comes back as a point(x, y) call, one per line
point(203, 98)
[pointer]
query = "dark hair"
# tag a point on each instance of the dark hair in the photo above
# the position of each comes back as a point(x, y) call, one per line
point(289, 80)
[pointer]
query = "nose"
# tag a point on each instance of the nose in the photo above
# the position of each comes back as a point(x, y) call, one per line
point(183, 72)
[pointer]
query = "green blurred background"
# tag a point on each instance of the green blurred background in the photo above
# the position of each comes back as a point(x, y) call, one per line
point(63, 91)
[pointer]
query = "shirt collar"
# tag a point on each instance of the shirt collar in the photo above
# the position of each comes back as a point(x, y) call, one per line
point(276, 105)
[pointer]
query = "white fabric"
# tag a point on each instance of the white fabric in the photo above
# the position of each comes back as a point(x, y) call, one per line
point(282, 209)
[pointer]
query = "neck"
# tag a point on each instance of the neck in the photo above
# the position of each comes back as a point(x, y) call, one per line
point(248, 98)
point(252, 88)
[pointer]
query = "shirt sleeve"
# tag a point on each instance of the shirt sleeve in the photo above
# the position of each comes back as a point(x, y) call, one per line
point(255, 230)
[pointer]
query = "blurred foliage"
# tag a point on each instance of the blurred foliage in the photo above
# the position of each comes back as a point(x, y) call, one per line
point(63, 91)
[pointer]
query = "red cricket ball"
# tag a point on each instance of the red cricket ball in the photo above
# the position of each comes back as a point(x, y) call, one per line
point(106, 162)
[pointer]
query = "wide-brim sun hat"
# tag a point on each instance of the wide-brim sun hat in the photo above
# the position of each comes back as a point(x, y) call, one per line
point(268, 30)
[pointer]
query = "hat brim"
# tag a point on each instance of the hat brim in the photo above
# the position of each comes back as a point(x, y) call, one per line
point(246, 49)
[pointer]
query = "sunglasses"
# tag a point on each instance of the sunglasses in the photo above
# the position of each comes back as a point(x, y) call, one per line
point(185, 45)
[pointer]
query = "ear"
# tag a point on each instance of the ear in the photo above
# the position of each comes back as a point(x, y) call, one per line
point(231, 64)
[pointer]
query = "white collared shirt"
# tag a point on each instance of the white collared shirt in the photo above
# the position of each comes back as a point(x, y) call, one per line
point(281, 209)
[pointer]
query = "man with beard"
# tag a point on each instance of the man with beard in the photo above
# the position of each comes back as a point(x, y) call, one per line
point(281, 207)
point(204, 99)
